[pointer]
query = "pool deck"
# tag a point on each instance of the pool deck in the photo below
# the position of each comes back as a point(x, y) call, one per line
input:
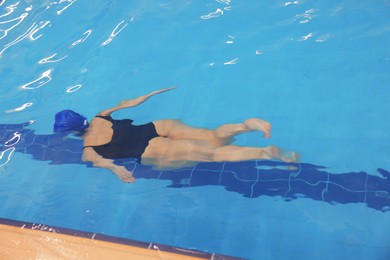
point(22, 240)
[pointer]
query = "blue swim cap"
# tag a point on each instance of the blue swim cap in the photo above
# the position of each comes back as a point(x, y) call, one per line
point(68, 120)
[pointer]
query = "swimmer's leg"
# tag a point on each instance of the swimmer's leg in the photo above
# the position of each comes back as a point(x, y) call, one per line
point(167, 153)
point(177, 130)
point(223, 135)
point(231, 153)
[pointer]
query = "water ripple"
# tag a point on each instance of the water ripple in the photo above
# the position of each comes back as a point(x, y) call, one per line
point(73, 88)
point(219, 11)
point(215, 14)
point(7, 154)
point(41, 25)
point(231, 38)
point(306, 16)
point(323, 38)
point(49, 59)
point(11, 8)
point(20, 108)
point(18, 21)
point(18, 39)
point(232, 62)
point(120, 26)
point(306, 37)
point(33, 29)
point(14, 139)
point(291, 3)
point(39, 82)
point(82, 39)
point(226, 2)
point(70, 2)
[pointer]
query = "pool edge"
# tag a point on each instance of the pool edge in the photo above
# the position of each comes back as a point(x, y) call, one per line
point(28, 237)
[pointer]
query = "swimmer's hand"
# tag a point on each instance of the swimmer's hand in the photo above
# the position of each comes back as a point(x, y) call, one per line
point(90, 155)
point(162, 91)
point(123, 173)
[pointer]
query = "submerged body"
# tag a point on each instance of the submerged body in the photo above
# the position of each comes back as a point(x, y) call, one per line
point(169, 144)
point(127, 140)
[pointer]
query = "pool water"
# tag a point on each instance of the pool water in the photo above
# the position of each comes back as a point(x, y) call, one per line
point(317, 70)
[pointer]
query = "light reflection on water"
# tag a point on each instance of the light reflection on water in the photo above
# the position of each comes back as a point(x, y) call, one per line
point(15, 28)
point(18, 19)
point(40, 81)
point(86, 35)
point(73, 88)
point(50, 59)
point(118, 28)
point(20, 108)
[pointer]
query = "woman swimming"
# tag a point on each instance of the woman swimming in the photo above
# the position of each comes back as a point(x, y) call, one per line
point(163, 144)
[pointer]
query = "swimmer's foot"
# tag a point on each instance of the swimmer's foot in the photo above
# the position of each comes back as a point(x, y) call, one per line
point(276, 153)
point(273, 152)
point(290, 157)
point(257, 124)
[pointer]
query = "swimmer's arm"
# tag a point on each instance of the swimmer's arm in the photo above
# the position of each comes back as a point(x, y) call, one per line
point(133, 102)
point(89, 155)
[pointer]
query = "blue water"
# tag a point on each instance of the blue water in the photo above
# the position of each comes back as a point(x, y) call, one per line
point(317, 70)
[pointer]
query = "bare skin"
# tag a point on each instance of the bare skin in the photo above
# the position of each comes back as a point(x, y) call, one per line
point(180, 145)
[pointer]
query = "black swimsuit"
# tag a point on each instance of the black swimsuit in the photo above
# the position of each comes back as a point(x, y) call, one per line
point(128, 140)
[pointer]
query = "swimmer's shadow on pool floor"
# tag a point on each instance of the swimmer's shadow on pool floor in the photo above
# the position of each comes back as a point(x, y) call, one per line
point(252, 179)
